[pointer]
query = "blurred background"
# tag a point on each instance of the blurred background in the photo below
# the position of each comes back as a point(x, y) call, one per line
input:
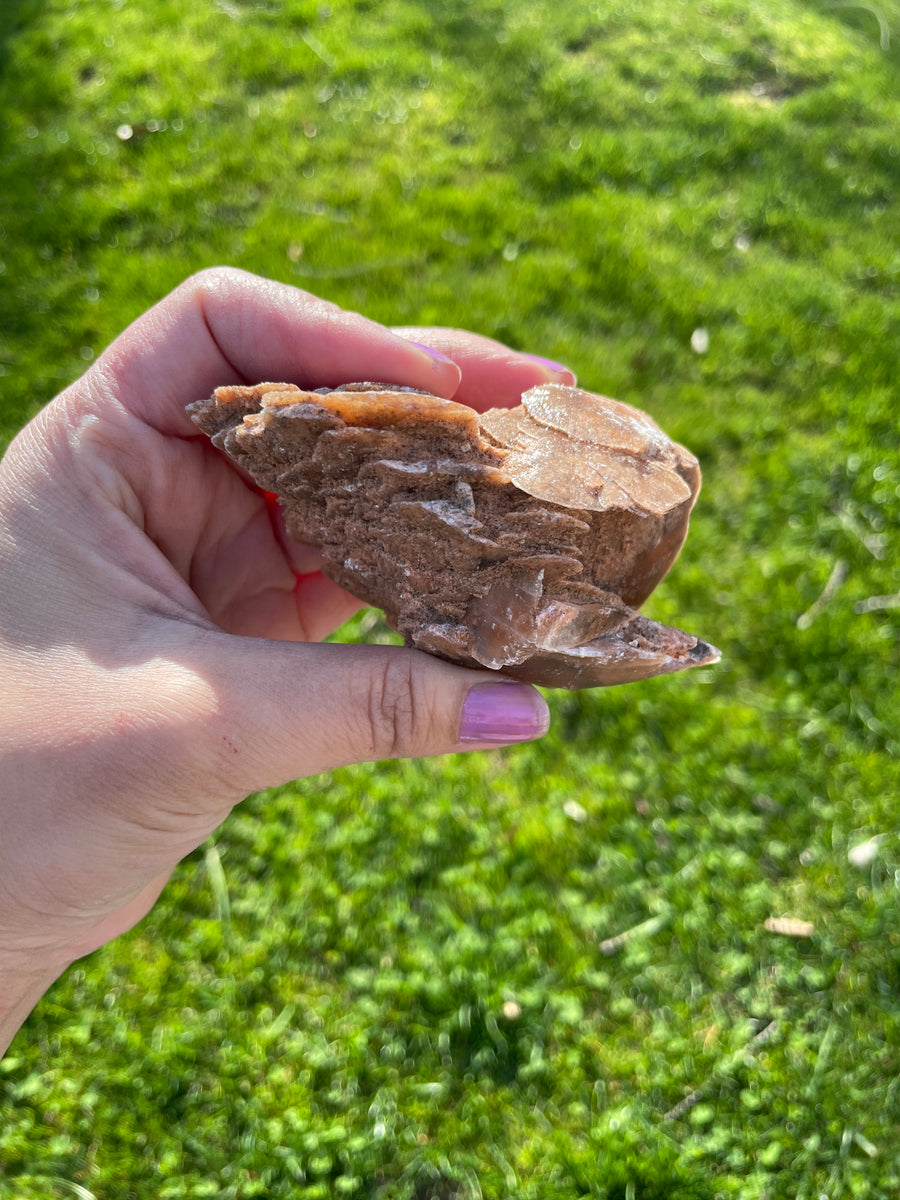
point(657, 955)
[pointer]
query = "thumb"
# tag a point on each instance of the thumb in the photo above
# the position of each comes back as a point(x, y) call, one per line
point(285, 710)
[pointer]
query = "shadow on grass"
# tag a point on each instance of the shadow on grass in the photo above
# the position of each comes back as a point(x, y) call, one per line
point(14, 14)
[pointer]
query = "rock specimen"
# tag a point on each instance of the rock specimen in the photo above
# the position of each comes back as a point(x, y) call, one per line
point(520, 539)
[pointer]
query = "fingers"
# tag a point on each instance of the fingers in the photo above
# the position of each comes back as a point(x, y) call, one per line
point(493, 375)
point(226, 326)
point(286, 710)
point(323, 605)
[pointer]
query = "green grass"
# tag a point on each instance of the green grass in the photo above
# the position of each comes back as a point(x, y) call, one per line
point(545, 972)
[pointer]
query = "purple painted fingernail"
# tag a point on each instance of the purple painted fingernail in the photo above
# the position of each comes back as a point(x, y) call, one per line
point(498, 713)
point(552, 366)
point(435, 354)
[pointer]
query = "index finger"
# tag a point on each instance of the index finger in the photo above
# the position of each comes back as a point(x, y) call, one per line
point(226, 326)
point(493, 375)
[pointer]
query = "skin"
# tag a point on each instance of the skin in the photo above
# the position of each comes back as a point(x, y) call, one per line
point(159, 655)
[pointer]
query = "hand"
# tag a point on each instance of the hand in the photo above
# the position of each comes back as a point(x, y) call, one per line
point(157, 629)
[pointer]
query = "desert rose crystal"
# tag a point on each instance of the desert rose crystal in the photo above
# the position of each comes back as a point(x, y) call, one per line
point(519, 539)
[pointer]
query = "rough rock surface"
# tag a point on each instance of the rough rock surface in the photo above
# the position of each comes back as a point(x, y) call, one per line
point(520, 539)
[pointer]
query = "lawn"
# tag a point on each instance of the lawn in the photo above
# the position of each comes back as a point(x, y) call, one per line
point(655, 956)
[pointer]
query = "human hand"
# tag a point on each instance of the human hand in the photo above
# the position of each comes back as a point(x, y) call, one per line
point(158, 656)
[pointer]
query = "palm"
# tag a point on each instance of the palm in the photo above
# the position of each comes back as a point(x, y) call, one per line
point(224, 538)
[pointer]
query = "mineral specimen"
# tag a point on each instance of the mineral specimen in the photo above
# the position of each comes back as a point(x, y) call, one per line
point(520, 539)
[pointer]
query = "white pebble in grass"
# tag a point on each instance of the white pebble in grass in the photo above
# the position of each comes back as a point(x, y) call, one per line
point(700, 340)
point(863, 854)
point(575, 812)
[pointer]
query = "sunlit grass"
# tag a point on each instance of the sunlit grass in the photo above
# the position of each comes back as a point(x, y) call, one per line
point(546, 972)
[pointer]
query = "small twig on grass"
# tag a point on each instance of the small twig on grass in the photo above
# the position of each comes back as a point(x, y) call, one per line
point(835, 579)
point(725, 1067)
point(644, 929)
point(653, 924)
point(789, 927)
point(877, 603)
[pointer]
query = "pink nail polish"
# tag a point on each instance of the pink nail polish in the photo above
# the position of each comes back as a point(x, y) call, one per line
point(499, 713)
point(435, 354)
point(557, 368)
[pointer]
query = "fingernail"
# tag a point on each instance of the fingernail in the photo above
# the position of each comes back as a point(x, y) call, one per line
point(435, 354)
point(557, 368)
point(497, 713)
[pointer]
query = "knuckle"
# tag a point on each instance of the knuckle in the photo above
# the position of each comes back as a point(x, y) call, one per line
point(400, 715)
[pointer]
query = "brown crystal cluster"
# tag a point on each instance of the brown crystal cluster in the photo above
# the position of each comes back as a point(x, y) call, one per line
point(520, 539)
